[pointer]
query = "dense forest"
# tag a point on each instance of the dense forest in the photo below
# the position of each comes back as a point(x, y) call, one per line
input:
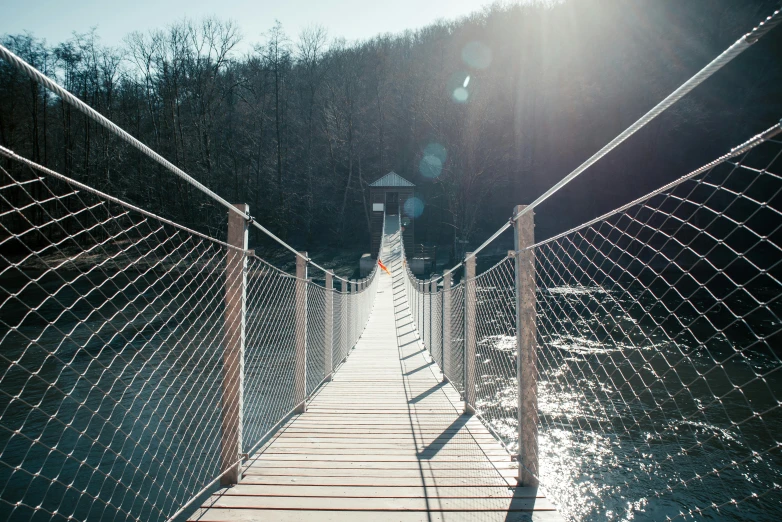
point(481, 113)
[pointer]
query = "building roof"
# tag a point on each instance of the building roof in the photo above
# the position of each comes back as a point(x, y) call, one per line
point(392, 179)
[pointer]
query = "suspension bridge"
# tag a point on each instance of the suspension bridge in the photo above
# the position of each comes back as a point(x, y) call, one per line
point(153, 372)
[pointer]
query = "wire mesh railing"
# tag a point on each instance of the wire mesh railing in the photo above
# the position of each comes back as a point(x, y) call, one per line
point(436, 326)
point(496, 387)
point(113, 332)
point(425, 310)
point(657, 330)
point(453, 351)
point(428, 310)
point(269, 353)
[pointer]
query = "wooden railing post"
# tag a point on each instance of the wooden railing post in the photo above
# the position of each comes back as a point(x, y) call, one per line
point(469, 333)
point(424, 290)
point(420, 317)
point(300, 376)
point(418, 308)
point(446, 324)
point(526, 341)
point(432, 293)
point(345, 325)
point(328, 331)
point(233, 349)
point(352, 312)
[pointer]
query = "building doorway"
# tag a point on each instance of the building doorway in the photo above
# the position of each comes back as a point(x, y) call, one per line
point(392, 203)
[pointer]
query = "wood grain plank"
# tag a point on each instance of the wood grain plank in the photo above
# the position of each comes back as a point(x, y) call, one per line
point(242, 515)
point(383, 504)
point(373, 491)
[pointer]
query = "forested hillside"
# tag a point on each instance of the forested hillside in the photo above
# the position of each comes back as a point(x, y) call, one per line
point(481, 113)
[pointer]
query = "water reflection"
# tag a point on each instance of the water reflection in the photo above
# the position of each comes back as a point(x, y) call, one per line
point(636, 423)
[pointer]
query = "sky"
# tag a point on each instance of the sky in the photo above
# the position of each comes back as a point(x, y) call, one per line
point(56, 20)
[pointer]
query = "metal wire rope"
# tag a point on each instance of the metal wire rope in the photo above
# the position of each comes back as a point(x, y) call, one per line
point(712, 67)
point(35, 75)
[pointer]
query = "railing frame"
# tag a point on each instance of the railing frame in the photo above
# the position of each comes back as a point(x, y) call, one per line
point(300, 372)
point(446, 325)
point(352, 305)
point(345, 337)
point(432, 293)
point(328, 333)
point(233, 350)
point(469, 333)
point(526, 343)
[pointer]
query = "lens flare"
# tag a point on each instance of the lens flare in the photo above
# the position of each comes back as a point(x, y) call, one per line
point(430, 166)
point(414, 207)
point(477, 55)
point(432, 162)
point(456, 87)
point(437, 150)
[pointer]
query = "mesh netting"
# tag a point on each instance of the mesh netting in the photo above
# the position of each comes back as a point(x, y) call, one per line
point(112, 337)
point(436, 327)
point(454, 353)
point(340, 329)
point(269, 357)
point(112, 347)
point(658, 331)
point(496, 385)
point(316, 336)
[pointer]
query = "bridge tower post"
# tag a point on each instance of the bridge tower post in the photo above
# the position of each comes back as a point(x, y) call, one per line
point(470, 340)
point(446, 324)
point(328, 331)
point(233, 350)
point(300, 372)
point(526, 341)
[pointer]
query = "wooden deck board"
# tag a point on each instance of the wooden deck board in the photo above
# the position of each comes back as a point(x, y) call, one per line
point(339, 490)
point(430, 503)
point(299, 515)
point(385, 440)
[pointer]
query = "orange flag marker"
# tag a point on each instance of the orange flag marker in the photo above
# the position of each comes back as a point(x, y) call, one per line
point(380, 263)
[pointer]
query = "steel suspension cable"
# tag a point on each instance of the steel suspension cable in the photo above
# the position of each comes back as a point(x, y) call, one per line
point(37, 76)
point(712, 67)
point(734, 152)
point(715, 65)
point(81, 186)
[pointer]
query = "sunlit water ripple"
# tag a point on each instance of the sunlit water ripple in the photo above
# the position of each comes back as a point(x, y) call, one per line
point(632, 429)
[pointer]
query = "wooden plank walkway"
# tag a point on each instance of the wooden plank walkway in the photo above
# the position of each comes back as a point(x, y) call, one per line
point(386, 440)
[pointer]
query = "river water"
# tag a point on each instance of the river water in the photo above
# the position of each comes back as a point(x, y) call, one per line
point(637, 427)
point(111, 391)
point(637, 423)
